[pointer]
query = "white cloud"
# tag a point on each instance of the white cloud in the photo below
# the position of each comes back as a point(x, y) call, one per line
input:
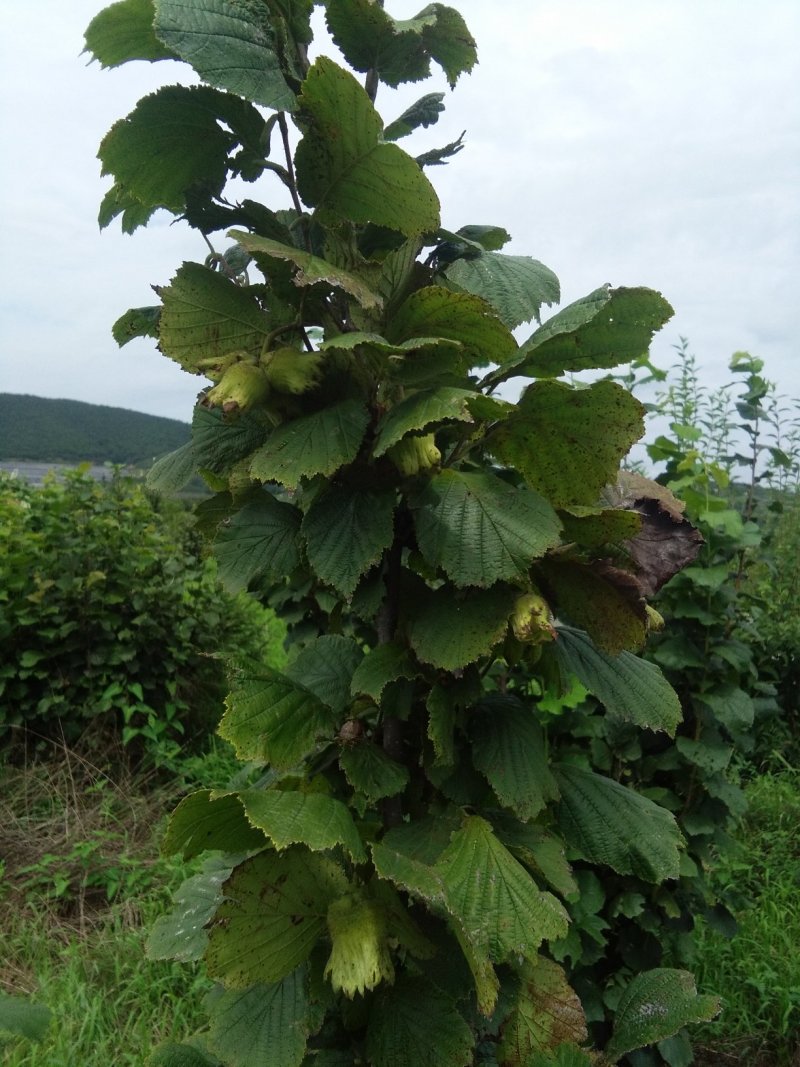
point(633, 143)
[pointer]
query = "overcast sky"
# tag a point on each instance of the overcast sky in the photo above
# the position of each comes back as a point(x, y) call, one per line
point(636, 142)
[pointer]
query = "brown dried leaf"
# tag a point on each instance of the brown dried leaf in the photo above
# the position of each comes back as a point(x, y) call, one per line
point(667, 541)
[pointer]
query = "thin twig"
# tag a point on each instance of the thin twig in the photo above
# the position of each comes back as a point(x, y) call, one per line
point(287, 151)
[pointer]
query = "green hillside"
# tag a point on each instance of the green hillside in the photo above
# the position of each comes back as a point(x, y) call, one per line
point(33, 428)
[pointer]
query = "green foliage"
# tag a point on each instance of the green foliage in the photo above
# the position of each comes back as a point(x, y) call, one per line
point(637, 1023)
point(403, 887)
point(70, 431)
point(775, 581)
point(712, 652)
point(109, 622)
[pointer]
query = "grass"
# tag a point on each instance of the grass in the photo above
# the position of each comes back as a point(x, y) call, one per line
point(84, 881)
point(757, 974)
point(110, 1005)
point(82, 884)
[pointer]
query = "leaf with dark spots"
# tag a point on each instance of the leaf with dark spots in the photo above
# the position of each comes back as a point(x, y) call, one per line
point(600, 598)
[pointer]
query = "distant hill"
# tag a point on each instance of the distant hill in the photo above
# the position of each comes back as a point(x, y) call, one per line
point(70, 431)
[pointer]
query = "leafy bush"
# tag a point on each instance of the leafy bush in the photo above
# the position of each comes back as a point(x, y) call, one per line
point(393, 889)
point(710, 649)
point(775, 586)
point(108, 619)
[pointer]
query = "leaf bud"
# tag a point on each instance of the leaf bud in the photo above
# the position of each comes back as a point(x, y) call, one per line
point(532, 620)
point(655, 620)
point(415, 454)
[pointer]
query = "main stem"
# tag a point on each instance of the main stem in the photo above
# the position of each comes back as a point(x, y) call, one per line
point(393, 731)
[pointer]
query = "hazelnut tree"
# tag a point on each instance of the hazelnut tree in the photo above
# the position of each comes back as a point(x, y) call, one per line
point(389, 889)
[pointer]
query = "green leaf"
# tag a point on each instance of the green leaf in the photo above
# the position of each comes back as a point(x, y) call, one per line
point(259, 539)
point(437, 157)
point(397, 273)
point(654, 1006)
point(451, 630)
point(731, 706)
point(326, 666)
point(272, 916)
point(632, 689)
point(442, 713)
point(412, 875)
point(606, 601)
point(595, 527)
point(343, 168)
point(502, 909)
point(206, 317)
point(370, 771)
point(400, 51)
point(537, 850)
point(271, 718)
point(230, 45)
point(22, 1018)
point(383, 664)
point(124, 31)
point(347, 530)
point(488, 238)
point(399, 923)
point(170, 473)
point(202, 821)
point(374, 341)
point(311, 269)
point(261, 1024)
point(487, 984)
point(117, 202)
point(710, 754)
point(515, 286)
point(210, 513)
point(173, 139)
point(423, 112)
point(426, 838)
point(412, 1022)
point(315, 820)
point(437, 312)
point(479, 529)
point(182, 935)
point(314, 444)
point(677, 1050)
point(426, 408)
point(546, 1012)
point(508, 748)
point(136, 322)
point(567, 442)
point(604, 329)
point(219, 443)
point(607, 823)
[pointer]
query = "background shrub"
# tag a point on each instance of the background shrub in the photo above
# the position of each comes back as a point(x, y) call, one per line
point(110, 620)
point(775, 583)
